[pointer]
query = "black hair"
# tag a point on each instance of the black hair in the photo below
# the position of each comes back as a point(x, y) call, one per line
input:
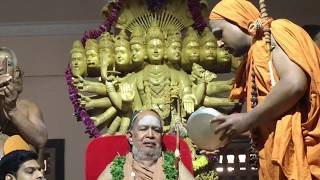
point(312, 30)
point(10, 163)
point(135, 114)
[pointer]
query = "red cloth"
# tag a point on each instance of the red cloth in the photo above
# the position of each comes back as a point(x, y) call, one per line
point(101, 151)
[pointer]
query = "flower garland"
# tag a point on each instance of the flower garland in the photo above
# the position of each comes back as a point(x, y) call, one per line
point(116, 168)
point(80, 113)
point(111, 18)
point(168, 166)
point(195, 10)
point(202, 161)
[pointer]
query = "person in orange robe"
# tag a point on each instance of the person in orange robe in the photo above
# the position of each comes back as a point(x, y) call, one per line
point(288, 86)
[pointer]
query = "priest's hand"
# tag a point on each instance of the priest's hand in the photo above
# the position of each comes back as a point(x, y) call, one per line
point(232, 125)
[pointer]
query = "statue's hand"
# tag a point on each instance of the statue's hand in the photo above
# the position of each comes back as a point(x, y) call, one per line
point(112, 79)
point(85, 101)
point(127, 92)
point(230, 81)
point(189, 101)
point(81, 84)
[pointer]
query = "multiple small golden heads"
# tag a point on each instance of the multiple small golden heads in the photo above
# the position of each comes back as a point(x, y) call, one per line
point(127, 51)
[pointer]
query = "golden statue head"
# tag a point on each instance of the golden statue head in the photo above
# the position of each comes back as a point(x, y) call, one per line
point(155, 44)
point(223, 56)
point(173, 45)
point(190, 46)
point(78, 59)
point(137, 43)
point(122, 49)
point(106, 49)
point(92, 55)
point(208, 46)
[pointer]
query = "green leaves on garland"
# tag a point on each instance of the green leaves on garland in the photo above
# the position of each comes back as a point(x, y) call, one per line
point(116, 168)
point(168, 166)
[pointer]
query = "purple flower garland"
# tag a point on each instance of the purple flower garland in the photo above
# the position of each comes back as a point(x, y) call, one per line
point(112, 16)
point(80, 112)
point(195, 10)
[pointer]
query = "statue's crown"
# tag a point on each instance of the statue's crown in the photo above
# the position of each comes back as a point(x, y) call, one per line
point(106, 41)
point(137, 36)
point(207, 36)
point(191, 36)
point(154, 32)
point(173, 35)
point(121, 40)
point(92, 44)
point(77, 47)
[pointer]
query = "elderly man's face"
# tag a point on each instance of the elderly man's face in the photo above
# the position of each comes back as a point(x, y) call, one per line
point(146, 136)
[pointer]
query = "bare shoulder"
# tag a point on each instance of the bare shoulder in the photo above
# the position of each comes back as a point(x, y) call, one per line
point(26, 103)
point(106, 175)
point(30, 108)
point(280, 59)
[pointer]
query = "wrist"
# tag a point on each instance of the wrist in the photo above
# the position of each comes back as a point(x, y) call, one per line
point(110, 87)
point(253, 119)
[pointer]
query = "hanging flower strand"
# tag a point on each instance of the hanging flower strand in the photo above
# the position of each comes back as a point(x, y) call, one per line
point(80, 113)
point(111, 17)
point(195, 11)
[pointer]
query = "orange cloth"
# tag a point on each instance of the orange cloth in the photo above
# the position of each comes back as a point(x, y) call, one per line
point(14, 143)
point(290, 146)
point(241, 12)
point(142, 172)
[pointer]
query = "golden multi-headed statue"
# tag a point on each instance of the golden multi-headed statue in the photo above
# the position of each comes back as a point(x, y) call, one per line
point(166, 65)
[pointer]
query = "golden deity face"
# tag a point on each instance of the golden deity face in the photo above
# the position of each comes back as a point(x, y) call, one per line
point(122, 55)
point(191, 51)
point(223, 56)
point(106, 56)
point(138, 52)
point(174, 51)
point(208, 51)
point(155, 50)
point(93, 60)
point(78, 64)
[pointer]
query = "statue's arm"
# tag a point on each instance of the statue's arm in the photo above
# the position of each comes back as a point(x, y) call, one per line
point(28, 120)
point(98, 88)
point(114, 95)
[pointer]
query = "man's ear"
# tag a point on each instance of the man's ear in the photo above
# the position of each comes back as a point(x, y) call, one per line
point(16, 73)
point(9, 177)
point(129, 136)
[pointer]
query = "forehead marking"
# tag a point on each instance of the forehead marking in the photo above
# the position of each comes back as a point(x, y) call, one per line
point(149, 120)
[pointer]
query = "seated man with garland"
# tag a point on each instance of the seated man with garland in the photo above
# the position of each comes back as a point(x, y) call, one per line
point(146, 159)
